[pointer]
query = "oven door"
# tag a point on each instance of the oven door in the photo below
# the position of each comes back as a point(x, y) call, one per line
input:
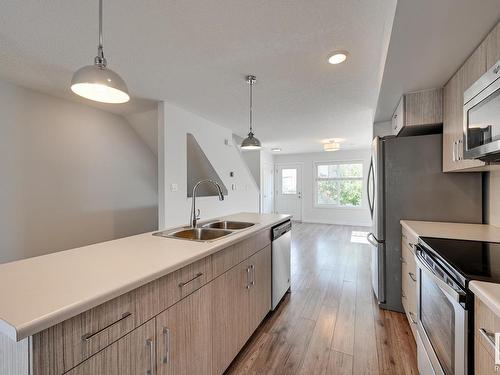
point(441, 321)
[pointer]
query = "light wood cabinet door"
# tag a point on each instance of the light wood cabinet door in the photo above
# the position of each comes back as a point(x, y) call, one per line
point(184, 335)
point(492, 44)
point(453, 157)
point(230, 315)
point(131, 355)
point(260, 287)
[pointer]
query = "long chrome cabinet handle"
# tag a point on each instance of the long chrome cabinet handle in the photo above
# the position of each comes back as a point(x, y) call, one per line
point(184, 283)
point(90, 335)
point(248, 277)
point(151, 345)
point(412, 276)
point(252, 268)
point(412, 318)
point(489, 336)
point(166, 335)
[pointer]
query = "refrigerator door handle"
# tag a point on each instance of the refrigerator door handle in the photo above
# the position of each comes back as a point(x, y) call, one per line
point(373, 240)
point(370, 173)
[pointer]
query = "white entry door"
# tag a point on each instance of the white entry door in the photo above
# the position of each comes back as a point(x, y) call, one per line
point(289, 190)
point(267, 202)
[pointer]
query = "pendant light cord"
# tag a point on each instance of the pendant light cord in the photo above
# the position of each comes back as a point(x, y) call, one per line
point(100, 60)
point(251, 104)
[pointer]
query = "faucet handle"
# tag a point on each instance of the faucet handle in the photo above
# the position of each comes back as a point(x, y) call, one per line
point(198, 213)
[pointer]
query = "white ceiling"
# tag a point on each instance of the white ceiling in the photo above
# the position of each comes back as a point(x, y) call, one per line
point(430, 40)
point(196, 54)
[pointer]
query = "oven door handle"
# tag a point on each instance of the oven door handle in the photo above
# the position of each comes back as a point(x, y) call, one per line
point(455, 295)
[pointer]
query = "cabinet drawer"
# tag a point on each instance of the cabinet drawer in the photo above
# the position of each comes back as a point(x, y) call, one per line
point(409, 239)
point(409, 289)
point(486, 320)
point(181, 283)
point(408, 258)
point(233, 255)
point(484, 362)
point(131, 355)
point(65, 345)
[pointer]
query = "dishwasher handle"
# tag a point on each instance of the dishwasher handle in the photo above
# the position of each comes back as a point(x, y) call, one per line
point(281, 229)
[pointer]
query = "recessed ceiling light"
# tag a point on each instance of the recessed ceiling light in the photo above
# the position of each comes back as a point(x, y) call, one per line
point(276, 149)
point(337, 57)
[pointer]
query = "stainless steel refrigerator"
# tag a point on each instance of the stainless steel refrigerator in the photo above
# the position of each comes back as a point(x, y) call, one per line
point(405, 181)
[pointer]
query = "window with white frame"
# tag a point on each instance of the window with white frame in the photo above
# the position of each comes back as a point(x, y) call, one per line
point(338, 184)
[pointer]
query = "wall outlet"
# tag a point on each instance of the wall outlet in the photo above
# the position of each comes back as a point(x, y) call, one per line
point(174, 187)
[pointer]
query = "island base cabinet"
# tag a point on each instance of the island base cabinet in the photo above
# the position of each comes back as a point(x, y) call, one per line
point(184, 336)
point(242, 298)
point(131, 355)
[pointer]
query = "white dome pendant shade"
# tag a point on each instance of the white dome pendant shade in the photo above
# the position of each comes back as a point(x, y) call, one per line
point(97, 82)
point(250, 142)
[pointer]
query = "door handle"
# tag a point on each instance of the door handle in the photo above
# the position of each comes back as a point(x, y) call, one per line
point(150, 344)
point(373, 240)
point(248, 278)
point(370, 173)
point(489, 336)
point(166, 335)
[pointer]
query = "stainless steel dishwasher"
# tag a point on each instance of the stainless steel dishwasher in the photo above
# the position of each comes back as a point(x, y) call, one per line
point(281, 250)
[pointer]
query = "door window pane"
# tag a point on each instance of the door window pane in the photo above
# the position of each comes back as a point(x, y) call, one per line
point(289, 181)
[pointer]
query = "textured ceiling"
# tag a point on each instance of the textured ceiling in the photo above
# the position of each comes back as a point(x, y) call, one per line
point(430, 40)
point(195, 54)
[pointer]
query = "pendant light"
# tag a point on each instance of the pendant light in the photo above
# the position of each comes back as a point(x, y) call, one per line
point(250, 142)
point(97, 82)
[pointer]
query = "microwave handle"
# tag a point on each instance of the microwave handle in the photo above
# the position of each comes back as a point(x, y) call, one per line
point(447, 289)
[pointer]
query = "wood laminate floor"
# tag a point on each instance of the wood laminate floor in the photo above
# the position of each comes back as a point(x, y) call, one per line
point(330, 323)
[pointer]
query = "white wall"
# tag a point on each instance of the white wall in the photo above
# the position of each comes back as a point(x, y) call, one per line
point(174, 124)
point(71, 175)
point(346, 216)
point(382, 129)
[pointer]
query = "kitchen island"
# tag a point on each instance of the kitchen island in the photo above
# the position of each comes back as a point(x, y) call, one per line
point(137, 304)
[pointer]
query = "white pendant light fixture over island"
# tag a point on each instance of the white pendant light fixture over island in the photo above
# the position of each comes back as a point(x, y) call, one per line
point(97, 82)
point(250, 142)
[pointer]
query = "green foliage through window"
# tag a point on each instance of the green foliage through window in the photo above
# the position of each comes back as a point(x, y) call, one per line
point(339, 184)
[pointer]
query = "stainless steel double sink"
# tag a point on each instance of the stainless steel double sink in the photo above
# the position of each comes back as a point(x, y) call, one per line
point(207, 232)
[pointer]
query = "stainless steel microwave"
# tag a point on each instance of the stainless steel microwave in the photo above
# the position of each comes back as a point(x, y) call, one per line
point(482, 117)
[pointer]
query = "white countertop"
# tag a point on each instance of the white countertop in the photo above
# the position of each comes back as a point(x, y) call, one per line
point(489, 293)
point(37, 293)
point(459, 231)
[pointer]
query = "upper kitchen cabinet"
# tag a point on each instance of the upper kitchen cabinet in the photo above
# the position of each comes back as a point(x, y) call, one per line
point(492, 43)
point(453, 146)
point(418, 112)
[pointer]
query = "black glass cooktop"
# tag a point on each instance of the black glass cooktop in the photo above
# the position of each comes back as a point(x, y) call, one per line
point(473, 260)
